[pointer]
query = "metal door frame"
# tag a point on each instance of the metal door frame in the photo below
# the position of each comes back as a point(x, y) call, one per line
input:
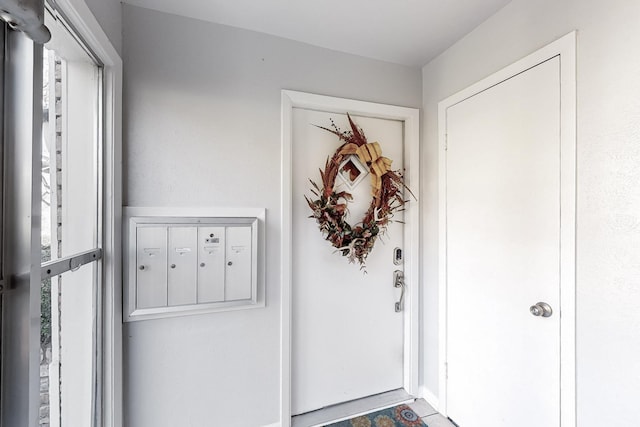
point(21, 198)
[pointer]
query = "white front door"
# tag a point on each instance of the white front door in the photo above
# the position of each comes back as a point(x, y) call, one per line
point(347, 338)
point(503, 235)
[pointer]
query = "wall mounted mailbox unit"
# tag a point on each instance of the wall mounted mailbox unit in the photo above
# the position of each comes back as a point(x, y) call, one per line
point(183, 262)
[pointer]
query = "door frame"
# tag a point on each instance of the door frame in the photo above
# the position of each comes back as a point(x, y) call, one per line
point(411, 119)
point(565, 49)
point(109, 393)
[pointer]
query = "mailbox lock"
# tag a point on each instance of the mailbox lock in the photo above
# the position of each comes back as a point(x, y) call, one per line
point(173, 266)
point(141, 267)
point(202, 264)
point(229, 263)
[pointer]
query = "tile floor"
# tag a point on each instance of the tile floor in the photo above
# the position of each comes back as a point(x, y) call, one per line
point(429, 415)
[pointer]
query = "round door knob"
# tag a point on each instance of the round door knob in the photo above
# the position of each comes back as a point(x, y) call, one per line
point(541, 309)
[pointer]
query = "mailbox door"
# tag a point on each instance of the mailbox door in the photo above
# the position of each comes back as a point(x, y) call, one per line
point(151, 267)
point(239, 263)
point(183, 259)
point(211, 262)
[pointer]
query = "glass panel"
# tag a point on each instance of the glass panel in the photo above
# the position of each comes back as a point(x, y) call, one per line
point(70, 224)
point(70, 194)
point(67, 362)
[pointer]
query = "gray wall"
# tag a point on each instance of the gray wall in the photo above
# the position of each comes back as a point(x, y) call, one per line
point(109, 16)
point(608, 233)
point(202, 128)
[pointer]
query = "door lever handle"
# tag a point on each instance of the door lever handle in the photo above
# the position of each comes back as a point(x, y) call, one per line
point(398, 282)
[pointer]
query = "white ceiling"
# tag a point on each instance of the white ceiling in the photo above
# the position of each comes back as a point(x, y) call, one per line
point(410, 32)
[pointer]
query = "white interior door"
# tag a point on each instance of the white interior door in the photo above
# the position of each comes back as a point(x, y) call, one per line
point(503, 216)
point(347, 338)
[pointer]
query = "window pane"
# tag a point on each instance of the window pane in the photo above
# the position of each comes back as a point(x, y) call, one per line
point(70, 225)
point(70, 194)
point(67, 362)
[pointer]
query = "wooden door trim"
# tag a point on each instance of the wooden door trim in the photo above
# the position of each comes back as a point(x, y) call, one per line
point(411, 119)
point(565, 49)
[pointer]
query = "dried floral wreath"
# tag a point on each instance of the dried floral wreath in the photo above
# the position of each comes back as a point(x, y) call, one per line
point(330, 207)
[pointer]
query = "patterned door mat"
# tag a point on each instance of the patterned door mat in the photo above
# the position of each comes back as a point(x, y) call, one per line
point(398, 416)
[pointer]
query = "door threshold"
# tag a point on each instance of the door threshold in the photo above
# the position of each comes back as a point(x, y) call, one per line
point(353, 408)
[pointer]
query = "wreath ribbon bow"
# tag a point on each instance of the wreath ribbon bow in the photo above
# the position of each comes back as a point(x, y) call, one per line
point(370, 154)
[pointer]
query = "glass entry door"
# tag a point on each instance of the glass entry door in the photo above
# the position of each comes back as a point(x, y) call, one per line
point(51, 164)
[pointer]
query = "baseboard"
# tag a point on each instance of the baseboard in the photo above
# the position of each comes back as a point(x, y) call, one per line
point(430, 397)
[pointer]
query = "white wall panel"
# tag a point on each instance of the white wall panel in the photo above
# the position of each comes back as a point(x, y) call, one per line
point(109, 15)
point(608, 200)
point(202, 118)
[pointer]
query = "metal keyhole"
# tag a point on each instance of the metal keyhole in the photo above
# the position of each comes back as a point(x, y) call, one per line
point(541, 309)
